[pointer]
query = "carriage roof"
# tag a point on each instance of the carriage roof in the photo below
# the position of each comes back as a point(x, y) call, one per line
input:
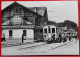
point(51, 26)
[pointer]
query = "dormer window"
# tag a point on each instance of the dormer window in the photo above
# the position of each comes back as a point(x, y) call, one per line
point(17, 10)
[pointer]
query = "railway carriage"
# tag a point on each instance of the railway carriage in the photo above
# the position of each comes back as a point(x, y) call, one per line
point(52, 33)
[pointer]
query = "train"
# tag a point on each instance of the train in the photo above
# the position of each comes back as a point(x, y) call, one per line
point(52, 33)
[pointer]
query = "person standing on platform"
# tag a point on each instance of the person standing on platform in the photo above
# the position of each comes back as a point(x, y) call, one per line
point(60, 37)
point(4, 37)
point(22, 38)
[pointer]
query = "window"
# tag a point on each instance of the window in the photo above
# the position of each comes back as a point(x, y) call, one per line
point(10, 32)
point(45, 30)
point(53, 30)
point(17, 10)
point(49, 29)
point(24, 32)
point(56, 29)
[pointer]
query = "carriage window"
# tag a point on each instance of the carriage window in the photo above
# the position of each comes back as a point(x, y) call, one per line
point(56, 29)
point(49, 29)
point(53, 30)
point(45, 30)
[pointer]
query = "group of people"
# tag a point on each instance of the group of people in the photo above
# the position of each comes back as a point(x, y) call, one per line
point(64, 38)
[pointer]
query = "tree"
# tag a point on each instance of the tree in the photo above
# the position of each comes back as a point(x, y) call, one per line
point(70, 24)
point(51, 22)
point(61, 24)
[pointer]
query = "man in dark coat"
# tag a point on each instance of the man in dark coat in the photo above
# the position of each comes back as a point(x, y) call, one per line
point(22, 38)
point(4, 38)
point(60, 37)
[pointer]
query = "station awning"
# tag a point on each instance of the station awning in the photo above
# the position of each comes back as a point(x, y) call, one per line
point(18, 27)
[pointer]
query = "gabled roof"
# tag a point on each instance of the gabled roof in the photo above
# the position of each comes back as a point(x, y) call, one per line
point(40, 10)
point(16, 3)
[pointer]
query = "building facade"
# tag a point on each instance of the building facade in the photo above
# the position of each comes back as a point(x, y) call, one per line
point(17, 19)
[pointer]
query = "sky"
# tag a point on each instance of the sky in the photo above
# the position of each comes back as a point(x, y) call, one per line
point(58, 11)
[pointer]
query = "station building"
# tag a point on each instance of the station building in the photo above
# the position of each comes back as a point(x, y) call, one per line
point(17, 19)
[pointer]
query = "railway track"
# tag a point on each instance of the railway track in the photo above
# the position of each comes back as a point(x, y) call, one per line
point(32, 47)
point(42, 45)
point(62, 45)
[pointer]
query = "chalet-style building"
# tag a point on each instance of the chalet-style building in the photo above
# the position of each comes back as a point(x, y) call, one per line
point(17, 19)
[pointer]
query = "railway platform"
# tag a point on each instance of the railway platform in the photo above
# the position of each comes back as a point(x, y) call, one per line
point(30, 44)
